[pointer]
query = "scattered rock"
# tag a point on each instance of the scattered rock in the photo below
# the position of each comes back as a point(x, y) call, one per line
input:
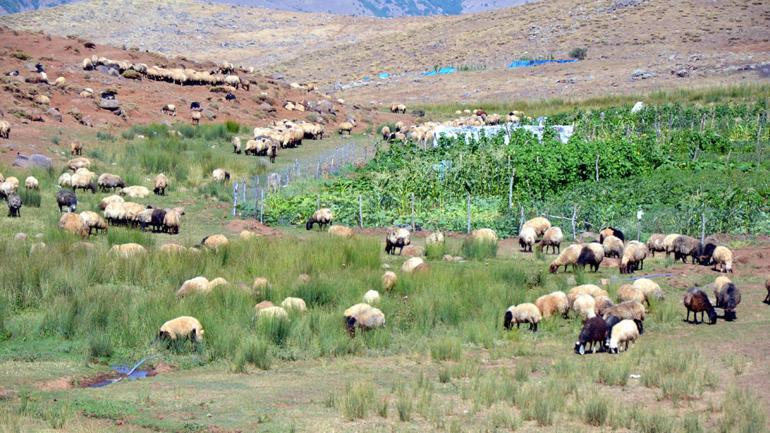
point(34, 160)
point(413, 251)
point(639, 106)
point(20, 237)
point(109, 104)
point(267, 108)
point(54, 114)
point(210, 115)
point(641, 74)
point(681, 73)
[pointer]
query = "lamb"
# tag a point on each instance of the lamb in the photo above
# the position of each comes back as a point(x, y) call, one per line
point(322, 217)
point(169, 109)
point(127, 250)
point(76, 148)
point(552, 238)
point(220, 175)
point(341, 231)
point(668, 243)
point(627, 310)
point(66, 199)
point(236, 142)
point(183, 327)
point(344, 127)
point(613, 246)
point(594, 331)
point(686, 246)
point(628, 292)
point(389, 280)
point(398, 238)
point(372, 297)
point(539, 224)
point(295, 304)
point(414, 264)
point(522, 313)
point(527, 238)
point(728, 298)
point(71, 223)
point(136, 191)
point(161, 183)
point(553, 303)
point(655, 243)
point(5, 129)
point(567, 257)
point(108, 181)
point(31, 183)
point(14, 206)
point(215, 242)
point(584, 306)
point(623, 333)
point(197, 285)
point(93, 221)
point(723, 258)
point(696, 301)
point(611, 231)
point(650, 288)
point(591, 254)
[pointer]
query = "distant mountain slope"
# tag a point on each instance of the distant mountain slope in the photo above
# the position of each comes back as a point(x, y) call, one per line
point(379, 8)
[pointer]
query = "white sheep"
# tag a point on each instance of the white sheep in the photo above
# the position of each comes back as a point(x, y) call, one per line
point(389, 280)
point(372, 297)
point(623, 333)
point(522, 313)
point(273, 312)
point(31, 183)
point(181, 328)
point(584, 306)
point(295, 304)
point(193, 286)
point(527, 238)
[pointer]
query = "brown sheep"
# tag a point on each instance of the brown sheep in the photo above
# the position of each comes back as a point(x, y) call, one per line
point(76, 148)
point(686, 246)
point(552, 238)
point(553, 303)
point(567, 257)
point(71, 222)
point(696, 301)
point(655, 243)
point(540, 225)
point(613, 246)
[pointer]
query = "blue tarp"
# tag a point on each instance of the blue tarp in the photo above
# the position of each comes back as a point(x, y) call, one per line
point(527, 63)
point(384, 75)
point(443, 71)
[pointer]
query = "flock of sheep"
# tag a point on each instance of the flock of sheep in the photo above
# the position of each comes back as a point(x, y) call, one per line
point(281, 134)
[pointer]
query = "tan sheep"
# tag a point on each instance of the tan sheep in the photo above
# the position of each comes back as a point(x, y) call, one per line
point(172, 248)
point(650, 288)
point(216, 282)
point(262, 305)
point(220, 175)
point(628, 292)
point(539, 224)
point(215, 242)
point(161, 183)
point(584, 306)
point(668, 243)
point(93, 221)
point(585, 289)
point(527, 238)
point(484, 235)
point(260, 283)
point(341, 231)
point(655, 243)
point(5, 129)
point(181, 328)
point(723, 258)
point(294, 304)
point(389, 280)
point(553, 303)
point(567, 257)
point(31, 183)
point(70, 222)
point(522, 313)
point(197, 285)
point(344, 127)
point(278, 313)
point(136, 191)
point(76, 148)
point(76, 163)
point(127, 250)
point(613, 246)
point(552, 238)
point(414, 264)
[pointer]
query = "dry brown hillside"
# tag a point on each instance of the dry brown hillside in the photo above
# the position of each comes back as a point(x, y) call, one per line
point(686, 43)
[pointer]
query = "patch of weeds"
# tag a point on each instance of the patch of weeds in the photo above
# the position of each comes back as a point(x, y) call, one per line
point(596, 411)
point(358, 400)
point(446, 348)
point(743, 413)
point(404, 406)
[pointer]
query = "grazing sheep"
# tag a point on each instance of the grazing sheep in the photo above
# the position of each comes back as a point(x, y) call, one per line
point(767, 287)
point(14, 206)
point(522, 313)
point(633, 257)
point(630, 310)
point(215, 242)
point(527, 238)
point(613, 246)
point(705, 255)
point(161, 183)
point(127, 250)
point(686, 246)
point(83, 179)
point(398, 238)
point(398, 108)
point(71, 223)
point(585, 289)
point(655, 243)
point(623, 333)
point(628, 292)
point(668, 243)
point(594, 331)
point(414, 264)
point(728, 299)
point(435, 238)
point(322, 217)
point(108, 181)
point(553, 303)
point(274, 312)
point(723, 258)
point(611, 231)
point(386, 134)
point(135, 191)
point(389, 280)
point(76, 148)
point(355, 310)
point(65, 180)
point(193, 286)
point(602, 304)
point(584, 306)
point(76, 163)
point(184, 327)
point(66, 199)
point(372, 297)
point(169, 109)
point(236, 142)
point(539, 224)
point(344, 127)
point(220, 175)
point(5, 129)
point(567, 257)
point(650, 288)
point(591, 254)
point(93, 221)
point(110, 199)
point(552, 238)
point(262, 305)
point(696, 301)
point(8, 187)
point(172, 248)
point(31, 183)
point(365, 320)
point(484, 235)
point(295, 304)
point(260, 283)
point(341, 231)
point(171, 221)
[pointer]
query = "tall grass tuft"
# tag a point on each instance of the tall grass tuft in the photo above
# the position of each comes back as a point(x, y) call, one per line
point(254, 351)
point(358, 400)
point(479, 249)
point(596, 411)
point(743, 413)
point(446, 348)
point(30, 197)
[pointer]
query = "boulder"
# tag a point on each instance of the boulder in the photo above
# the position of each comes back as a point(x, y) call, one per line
point(34, 160)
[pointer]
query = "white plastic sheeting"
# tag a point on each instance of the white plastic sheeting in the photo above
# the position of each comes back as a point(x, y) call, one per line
point(564, 132)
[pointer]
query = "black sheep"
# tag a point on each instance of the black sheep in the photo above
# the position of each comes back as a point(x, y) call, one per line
point(696, 301)
point(14, 206)
point(611, 231)
point(591, 255)
point(595, 330)
point(156, 220)
point(66, 198)
point(687, 246)
point(728, 299)
point(707, 251)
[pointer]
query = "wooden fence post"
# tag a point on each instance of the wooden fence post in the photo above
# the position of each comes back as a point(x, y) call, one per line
point(597, 167)
point(262, 206)
point(235, 196)
point(510, 189)
point(574, 222)
point(702, 226)
point(468, 226)
point(360, 212)
point(412, 200)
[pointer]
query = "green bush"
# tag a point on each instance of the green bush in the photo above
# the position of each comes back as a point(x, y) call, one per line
point(358, 400)
point(131, 74)
point(578, 53)
point(29, 197)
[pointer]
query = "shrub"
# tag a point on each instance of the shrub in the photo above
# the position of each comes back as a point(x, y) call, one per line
point(20, 55)
point(578, 53)
point(100, 346)
point(254, 351)
point(404, 406)
point(743, 413)
point(435, 251)
point(478, 249)
point(29, 197)
point(232, 126)
point(131, 74)
point(596, 411)
point(358, 400)
point(446, 348)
